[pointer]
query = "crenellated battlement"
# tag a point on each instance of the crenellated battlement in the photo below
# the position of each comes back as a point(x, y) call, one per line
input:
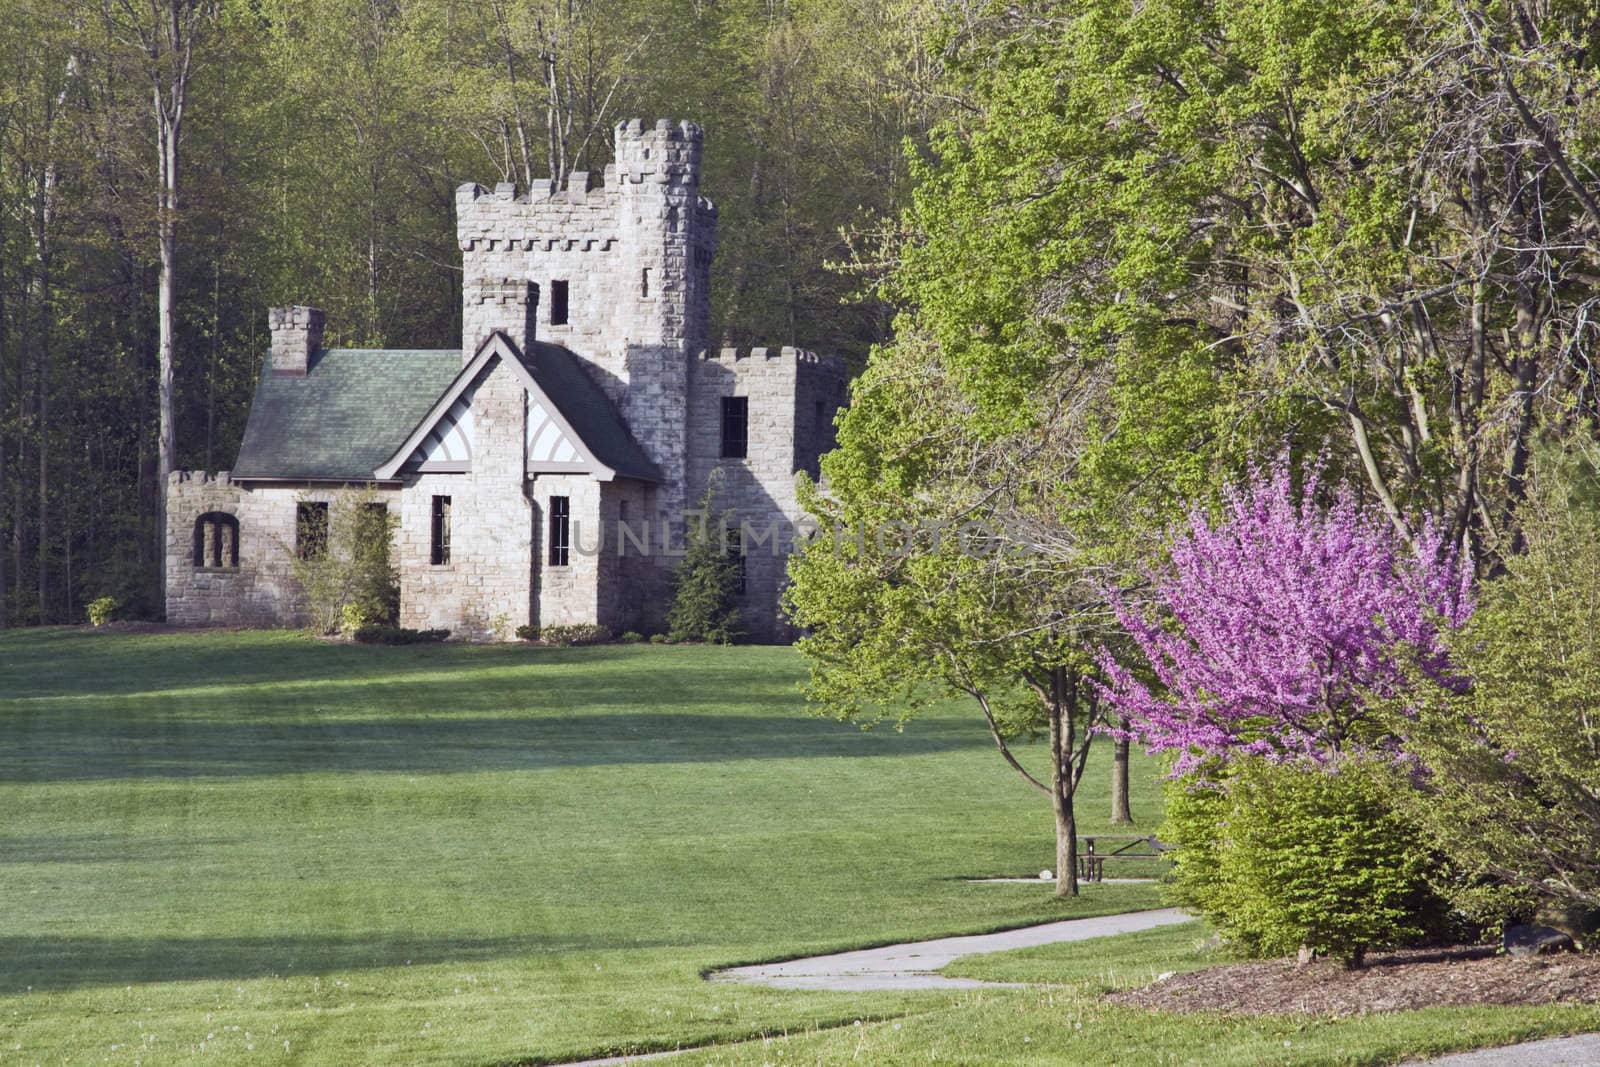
point(758, 354)
point(220, 479)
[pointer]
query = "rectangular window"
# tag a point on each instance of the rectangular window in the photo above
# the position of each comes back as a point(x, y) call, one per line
point(311, 529)
point(733, 545)
point(558, 303)
point(560, 530)
point(439, 553)
point(735, 426)
point(644, 284)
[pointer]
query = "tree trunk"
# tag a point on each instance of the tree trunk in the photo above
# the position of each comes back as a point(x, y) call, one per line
point(166, 292)
point(42, 383)
point(1121, 811)
point(1062, 782)
point(5, 592)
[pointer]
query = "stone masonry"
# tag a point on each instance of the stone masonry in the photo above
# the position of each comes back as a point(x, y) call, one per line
point(617, 272)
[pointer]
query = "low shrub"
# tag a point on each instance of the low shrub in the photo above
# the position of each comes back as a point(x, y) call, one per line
point(102, 609)
point(631, 637)
point(582, 633)
point(658, 639)
point(527, 633)
point(1286, 857)
point(396, 635)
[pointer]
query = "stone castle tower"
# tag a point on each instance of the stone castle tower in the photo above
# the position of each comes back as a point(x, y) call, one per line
point(620, 274)
point(584, 399)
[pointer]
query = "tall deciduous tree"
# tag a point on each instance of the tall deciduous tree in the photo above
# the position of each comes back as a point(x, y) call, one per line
point(925, 582)
point(164, 34)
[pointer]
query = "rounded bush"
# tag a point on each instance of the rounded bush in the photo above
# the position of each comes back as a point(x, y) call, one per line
point(102, 609)
point(1285, 858)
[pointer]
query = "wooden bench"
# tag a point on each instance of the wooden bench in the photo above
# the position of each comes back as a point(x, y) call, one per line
point(1092, 858)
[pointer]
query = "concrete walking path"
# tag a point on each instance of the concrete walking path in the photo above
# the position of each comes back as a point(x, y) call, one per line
point(913, 965)
point(1580, 1051)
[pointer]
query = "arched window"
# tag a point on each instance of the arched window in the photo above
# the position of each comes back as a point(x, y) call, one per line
point(216, 540)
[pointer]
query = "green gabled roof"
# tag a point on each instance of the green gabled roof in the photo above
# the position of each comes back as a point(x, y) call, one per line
point(588, 410)
point(345, 417)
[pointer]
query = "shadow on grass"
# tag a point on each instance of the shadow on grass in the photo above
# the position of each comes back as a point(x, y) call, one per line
point(64, 662)
point(75, 746)
point(54, 963)
point(100, 848)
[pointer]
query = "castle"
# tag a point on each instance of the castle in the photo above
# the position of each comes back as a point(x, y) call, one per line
point(543, 473)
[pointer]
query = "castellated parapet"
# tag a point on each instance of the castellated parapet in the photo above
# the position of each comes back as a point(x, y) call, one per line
point(622, 274)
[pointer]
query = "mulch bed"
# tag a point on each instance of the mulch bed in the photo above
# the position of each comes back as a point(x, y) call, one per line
point(1397, 981)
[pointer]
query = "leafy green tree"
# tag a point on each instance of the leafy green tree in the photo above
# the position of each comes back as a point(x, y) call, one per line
point(705, 584)
point(1512, 791)
point(926, 580)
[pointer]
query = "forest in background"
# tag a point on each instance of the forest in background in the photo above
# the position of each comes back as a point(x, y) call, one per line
point(316, 150)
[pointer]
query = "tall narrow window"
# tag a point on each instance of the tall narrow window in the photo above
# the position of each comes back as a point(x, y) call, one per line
point(735, 426)
point(560, 530)
point(439, 552)
point(558, 303)
point(644, 284)
point(733, 546)
point(311, 529)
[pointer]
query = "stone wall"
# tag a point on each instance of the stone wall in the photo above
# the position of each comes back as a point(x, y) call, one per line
point(792, 398)
point(483, 591)
point(262, 589)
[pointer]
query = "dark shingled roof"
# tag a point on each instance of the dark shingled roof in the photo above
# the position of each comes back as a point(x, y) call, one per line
point(357, 406)
point(588, 410)
point(345, 417)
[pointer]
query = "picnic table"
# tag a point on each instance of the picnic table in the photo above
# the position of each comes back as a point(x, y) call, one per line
point(1097, 848)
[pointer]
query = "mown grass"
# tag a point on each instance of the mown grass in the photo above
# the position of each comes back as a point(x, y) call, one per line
point(256, 847)
point(219, 847)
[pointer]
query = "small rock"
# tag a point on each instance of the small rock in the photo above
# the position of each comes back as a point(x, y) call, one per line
point(1531, 940)
point(1045, 876)
point(1164, 975)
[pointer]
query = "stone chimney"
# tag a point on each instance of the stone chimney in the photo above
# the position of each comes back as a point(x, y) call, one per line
point(498, 303)
point(296, 336)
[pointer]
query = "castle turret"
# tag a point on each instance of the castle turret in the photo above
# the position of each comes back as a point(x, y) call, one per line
point(618, 274)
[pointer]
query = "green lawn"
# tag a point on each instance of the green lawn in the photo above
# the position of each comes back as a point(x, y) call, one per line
point(466, 854)
point(224, 848)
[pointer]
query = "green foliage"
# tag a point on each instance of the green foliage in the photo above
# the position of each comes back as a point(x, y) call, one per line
point(347, 575)
point(660, 639)
point(705, 584)
point(1284, 857)
point(630, 637)
point(102, 609)
point(527, 632)
point(1513, 793)
point(582, 633)
point(377, 634)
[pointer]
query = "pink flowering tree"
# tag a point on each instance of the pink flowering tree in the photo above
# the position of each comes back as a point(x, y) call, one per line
point(1277, 622)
